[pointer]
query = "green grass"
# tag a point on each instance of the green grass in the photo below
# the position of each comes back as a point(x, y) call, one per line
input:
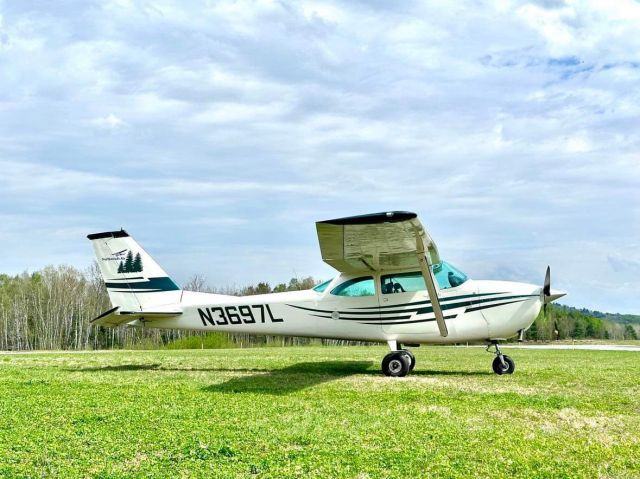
point(208, 341)
point(318, 412)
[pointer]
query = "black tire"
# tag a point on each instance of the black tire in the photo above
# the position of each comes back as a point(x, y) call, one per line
point(396, 364)
point(412, 359)
point(508, 367)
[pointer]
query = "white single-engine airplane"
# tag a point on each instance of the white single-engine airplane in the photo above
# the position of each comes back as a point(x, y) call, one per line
point(392, 287)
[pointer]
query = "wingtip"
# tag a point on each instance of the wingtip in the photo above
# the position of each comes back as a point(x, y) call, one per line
point(373, 218)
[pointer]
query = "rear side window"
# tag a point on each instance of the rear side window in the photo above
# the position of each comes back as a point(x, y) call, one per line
point(363, 286)
point(322, 286)
point(402, 283)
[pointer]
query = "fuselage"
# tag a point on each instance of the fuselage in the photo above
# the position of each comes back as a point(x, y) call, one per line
point(474, 311)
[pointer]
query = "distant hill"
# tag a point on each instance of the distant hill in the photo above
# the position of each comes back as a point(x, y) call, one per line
point(564, 322)
point(615, 317)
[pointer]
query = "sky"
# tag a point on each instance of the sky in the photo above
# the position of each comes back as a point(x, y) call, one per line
point(217, 133)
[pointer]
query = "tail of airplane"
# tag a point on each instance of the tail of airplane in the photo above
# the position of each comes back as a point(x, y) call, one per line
point(134, 281)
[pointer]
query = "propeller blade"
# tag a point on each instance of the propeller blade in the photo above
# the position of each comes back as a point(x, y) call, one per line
point(547, 284)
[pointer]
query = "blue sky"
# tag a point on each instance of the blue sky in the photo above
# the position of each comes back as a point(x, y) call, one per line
point(217, 133)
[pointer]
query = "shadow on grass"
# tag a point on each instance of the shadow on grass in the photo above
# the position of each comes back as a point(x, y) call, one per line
point(292, 378)
point(430, 372)
point(120, 367)
point(286, 380)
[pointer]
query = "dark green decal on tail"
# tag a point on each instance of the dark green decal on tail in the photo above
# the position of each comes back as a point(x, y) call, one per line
point(131, 264)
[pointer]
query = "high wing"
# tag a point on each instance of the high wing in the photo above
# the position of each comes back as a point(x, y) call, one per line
point(375, 242)
point(381, 242)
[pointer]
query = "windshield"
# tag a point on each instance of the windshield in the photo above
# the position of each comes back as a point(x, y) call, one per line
point(447, 275)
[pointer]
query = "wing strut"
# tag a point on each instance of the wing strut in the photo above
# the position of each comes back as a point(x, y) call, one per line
point(424, 260)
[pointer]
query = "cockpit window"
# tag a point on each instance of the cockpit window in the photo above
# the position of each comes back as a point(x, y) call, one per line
point(402, 282)
point(363, 286)
point(447, 276)
point(322, 286)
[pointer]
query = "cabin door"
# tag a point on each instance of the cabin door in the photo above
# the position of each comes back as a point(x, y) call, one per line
point(404, 303)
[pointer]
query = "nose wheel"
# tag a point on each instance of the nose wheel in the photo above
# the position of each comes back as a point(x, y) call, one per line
point(502, 364)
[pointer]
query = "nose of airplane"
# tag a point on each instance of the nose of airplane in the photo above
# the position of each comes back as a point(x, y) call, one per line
point(552, 295)
point(555, 294)
point(546, 293)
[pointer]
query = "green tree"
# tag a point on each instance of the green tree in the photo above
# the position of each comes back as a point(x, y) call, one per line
point(595, 327)
point(297, 284)
point(260, 288)
point(630, 332)
point(579, 330)
point(121, 267)
point(136, 267)
point(532, 332)
point(128, 263)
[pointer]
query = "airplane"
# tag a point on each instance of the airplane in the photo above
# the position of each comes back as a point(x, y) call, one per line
point(392, 287)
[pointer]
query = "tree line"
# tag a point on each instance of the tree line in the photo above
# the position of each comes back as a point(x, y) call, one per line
point(52, 309)
point(564, 322)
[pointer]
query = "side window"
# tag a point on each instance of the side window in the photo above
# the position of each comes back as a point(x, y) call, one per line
point(402, 283)
point(356, 287)
point(322, 286)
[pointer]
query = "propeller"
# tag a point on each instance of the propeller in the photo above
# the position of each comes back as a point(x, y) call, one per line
point(547, 295)
point(546, 291)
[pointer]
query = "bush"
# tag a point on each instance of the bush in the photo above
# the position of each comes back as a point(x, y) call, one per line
point(207, 341)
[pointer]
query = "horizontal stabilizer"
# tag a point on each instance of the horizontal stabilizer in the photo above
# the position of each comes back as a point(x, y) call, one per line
point(114, 318)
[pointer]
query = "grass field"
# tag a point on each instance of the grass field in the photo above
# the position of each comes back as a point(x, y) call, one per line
point(318, 412)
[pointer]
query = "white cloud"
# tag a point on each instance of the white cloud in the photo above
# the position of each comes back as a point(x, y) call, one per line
point(110, 122)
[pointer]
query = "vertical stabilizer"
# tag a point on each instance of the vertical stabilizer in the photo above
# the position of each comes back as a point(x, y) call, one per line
point(135, 282)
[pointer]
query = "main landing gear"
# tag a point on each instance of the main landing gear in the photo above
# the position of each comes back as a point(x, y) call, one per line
point(502, 364)
point(399, 361)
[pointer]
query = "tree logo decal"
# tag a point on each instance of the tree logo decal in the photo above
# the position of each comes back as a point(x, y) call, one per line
point(131, 264)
